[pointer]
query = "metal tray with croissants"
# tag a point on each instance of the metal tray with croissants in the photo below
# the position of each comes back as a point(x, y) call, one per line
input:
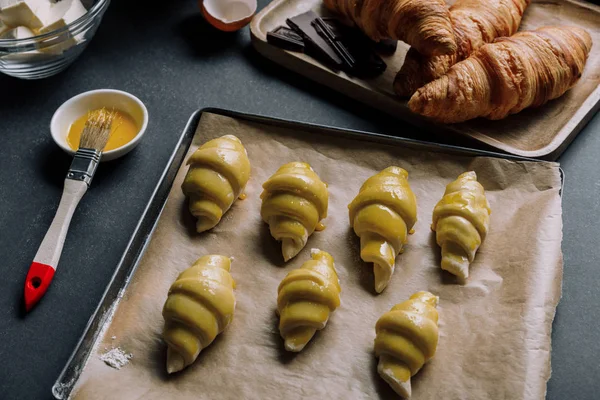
point(517, 76)
point(278, 259)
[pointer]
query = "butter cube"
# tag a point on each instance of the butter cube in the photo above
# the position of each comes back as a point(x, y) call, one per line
point(66, 40)
point(33, 14)
point(22, 13)
point(20, 32)
point(75, 11)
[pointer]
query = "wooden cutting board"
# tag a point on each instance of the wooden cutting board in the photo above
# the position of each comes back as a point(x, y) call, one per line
point(544, 132)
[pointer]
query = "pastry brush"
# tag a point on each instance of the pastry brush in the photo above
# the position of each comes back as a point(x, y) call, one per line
point(94, 137)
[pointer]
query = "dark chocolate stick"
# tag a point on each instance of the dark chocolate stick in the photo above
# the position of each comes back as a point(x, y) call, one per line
point(315, 44)
point(323, 29)
point(285, 38)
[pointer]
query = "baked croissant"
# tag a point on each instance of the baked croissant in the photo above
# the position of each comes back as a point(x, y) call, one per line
point(407, 338)
point(305, 298)
point(200, 305)
point(294, 200)
point(527, 69)
point(475, 23)
point(461, 221)
point(382, 215)
point(424, 24)
point(219, 171)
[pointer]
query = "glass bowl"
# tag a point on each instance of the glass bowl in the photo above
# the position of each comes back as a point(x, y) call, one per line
point(48, 54)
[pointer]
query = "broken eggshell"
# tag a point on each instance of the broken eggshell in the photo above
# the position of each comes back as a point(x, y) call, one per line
point(228, 15)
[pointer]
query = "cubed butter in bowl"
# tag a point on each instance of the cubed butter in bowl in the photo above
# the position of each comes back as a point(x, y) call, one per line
point(128, 127)
point(34, 14)
point(39, 38)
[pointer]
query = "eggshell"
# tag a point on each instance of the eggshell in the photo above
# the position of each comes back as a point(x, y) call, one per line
point(228, 15)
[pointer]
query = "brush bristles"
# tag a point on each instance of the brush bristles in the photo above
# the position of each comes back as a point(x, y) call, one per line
point(96, 132)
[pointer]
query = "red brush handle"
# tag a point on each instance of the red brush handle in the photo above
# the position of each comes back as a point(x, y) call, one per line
point(37, 282)
point(45, 261)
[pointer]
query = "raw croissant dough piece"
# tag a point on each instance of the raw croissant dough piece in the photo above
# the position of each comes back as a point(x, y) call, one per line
point(527, 69)
point(461, 220)
point(475, 23)
point(294, 200)
point(200, 305)
point(305, 298)
point(382, 215)
point(407, 338)
point(424, 24)
point(219, 171)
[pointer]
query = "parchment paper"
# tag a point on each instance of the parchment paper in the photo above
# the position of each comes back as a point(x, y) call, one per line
point(494, 331)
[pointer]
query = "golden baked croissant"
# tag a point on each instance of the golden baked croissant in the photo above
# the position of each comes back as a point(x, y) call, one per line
point(461, 221)
point(424, 24)
point(382, 215)
point(305, 298)
point(407, 338)
point(294, 200)
point(475, 23)
point(200, 305)
point(525, 70)
point(219, 171)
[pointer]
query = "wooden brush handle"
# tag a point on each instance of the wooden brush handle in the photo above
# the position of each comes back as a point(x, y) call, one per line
point(46, 259)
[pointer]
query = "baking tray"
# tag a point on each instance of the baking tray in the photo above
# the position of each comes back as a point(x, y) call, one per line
point(543, 133)
point(143, 231)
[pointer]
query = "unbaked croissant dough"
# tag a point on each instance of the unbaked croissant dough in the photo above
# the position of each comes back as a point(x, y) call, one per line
point(305, 298)
point(461, 220)
point(219, 171)
point(407, 338)
point(382, 215)
point(200, 305)
point(294, 200)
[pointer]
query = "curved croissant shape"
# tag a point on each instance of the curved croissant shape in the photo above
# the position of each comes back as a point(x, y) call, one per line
point(200, 305)
point(219, 171)
point(305, 298)
point(461, 220)
point(294, 200)
point(407, 338)
point(382, 215)
point(475, 23)
point(424, 24)
point(502, 78)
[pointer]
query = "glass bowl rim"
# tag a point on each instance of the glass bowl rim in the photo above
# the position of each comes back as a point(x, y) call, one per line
point(98, 6)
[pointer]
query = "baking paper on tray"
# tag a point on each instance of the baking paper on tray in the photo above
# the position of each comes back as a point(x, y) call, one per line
point(494, 331)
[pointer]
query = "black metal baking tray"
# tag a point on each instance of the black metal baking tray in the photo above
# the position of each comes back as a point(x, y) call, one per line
point(143, 231)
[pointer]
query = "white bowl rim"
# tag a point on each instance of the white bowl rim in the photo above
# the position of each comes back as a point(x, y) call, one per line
point(119, 151)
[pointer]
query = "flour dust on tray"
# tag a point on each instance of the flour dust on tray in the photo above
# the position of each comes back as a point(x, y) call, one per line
point(116, 358)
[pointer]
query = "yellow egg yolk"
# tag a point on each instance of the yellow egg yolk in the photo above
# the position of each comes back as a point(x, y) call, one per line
point(122, 131)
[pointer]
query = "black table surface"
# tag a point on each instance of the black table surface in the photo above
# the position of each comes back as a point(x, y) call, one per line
point(166, 54)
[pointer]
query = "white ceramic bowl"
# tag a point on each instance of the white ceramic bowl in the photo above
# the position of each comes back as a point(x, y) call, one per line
point(79, 105)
